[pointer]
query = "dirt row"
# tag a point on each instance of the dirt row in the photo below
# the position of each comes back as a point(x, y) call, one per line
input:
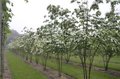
point(7, 73)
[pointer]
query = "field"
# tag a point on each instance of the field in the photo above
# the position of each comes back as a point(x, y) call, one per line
point(21, 70)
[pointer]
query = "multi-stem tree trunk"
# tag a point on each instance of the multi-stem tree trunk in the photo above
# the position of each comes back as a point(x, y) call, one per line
point(106, 60)
point(87, 62)
point(59, 63)
point(36, 58)
point(45, 63)
point(67, 57)
point(44, 60)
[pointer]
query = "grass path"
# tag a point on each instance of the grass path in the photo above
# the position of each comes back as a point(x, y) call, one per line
point(20, 70)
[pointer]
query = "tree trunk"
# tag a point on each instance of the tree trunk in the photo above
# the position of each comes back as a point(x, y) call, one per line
point(45, 63)
point(26, 57)
point(36, 59)
point(90, 67)
point(107, 63)
point(59, 61)
point(30, 58)
point(106, 67)
point(1, 57)
point(67, 58)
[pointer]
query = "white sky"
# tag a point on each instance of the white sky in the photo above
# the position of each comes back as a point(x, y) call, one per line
point(31, 14)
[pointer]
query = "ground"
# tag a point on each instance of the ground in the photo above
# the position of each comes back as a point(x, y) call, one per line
point(17, 68)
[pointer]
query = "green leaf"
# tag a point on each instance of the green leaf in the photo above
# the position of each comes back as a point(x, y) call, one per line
point(26, 1)
point(98, 13)
point(73, 1)
point(99, 1)
point(94, 6)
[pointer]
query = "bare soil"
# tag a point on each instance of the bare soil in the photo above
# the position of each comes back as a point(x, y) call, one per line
point(6, 74)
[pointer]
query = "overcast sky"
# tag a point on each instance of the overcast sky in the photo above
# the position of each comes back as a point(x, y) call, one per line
point(31, 14)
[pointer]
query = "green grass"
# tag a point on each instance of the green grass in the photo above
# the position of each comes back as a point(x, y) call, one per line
point(77, 73)
point(114, 62)
point(21, 70)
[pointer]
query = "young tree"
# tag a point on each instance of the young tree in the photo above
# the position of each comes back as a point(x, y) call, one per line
point(62, 25)
point(108, 46)
point(87, 35)
point(29, 42)
point(110, 35)
point(44, 39)
point(5, 17)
